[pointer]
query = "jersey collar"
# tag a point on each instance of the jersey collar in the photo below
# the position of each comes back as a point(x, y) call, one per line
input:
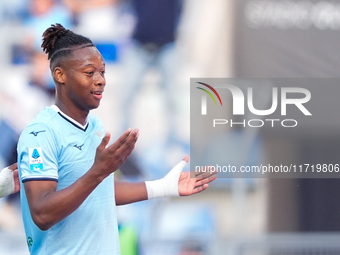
point(69, 119)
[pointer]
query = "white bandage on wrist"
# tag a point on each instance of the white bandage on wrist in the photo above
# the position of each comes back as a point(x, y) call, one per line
point(6, 182)
point(167, 186)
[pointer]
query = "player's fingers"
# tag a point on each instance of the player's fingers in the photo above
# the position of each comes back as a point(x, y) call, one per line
point(129, 143)
point(123, 139)
point(13, 166)
point(204, 174)
point(200, 189)
point(127, 152)
point(209, 177)
point(104, 141)
point(205, 181)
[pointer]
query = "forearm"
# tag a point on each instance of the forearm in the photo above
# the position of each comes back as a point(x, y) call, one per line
point(126, 192)
point(52, 206)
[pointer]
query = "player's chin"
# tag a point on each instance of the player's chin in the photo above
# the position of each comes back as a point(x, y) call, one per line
point(94, 105)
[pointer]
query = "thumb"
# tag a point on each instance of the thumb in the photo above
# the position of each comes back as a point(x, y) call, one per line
point(181, 165)
point(177, 169)
point(186, 158)
point(170, 181)
point(104, 142)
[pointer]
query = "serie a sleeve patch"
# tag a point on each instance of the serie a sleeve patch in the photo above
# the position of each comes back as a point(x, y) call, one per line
point(35, 158)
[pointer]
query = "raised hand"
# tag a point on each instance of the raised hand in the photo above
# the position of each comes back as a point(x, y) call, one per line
point(109, 159)
point(189, 185)
point(178, 183)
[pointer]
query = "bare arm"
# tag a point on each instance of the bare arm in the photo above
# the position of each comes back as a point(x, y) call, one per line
point(128, 192)
point(48, 206)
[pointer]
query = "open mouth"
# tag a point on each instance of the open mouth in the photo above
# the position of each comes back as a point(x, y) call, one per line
point(97, 94)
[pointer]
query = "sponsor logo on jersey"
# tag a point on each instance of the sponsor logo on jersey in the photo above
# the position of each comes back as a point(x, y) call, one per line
point(36, 133)
point(79, 147)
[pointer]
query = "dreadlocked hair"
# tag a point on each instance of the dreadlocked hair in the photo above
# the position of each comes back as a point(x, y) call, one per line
point(59, 41)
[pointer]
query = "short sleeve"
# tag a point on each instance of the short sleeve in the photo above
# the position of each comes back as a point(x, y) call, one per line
point(38, 154)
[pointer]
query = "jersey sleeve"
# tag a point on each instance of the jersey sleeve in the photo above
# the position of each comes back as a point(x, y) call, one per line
point(38, 154)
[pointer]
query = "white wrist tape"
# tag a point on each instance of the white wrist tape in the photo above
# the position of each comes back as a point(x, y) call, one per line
point(6, 182)
point(167, 186)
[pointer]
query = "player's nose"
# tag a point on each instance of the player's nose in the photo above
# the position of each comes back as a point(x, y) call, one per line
point(99, 79)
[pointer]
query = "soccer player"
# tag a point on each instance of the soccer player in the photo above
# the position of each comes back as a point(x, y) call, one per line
point(9, 180)
point(66, 168)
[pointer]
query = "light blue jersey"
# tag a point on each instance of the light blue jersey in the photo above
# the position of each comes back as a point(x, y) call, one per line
point(55, 147)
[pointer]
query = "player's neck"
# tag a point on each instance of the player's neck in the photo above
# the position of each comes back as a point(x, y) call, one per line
point(73, 112)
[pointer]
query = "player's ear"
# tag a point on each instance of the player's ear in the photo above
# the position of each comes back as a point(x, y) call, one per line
point(59, 75)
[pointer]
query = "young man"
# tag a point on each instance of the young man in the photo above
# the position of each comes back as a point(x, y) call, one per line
point(68, 194)
point(9, 180)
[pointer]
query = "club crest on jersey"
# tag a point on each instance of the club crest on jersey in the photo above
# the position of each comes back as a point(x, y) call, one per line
point(35, 158)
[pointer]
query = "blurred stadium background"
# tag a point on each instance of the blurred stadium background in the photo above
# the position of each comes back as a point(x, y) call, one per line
point(152, 48)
